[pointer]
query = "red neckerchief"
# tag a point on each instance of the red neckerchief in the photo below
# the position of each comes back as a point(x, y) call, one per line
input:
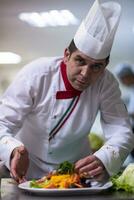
point(70, 91)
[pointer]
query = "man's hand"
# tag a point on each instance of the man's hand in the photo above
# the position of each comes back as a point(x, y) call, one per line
point(19, 164)
point(92, 167)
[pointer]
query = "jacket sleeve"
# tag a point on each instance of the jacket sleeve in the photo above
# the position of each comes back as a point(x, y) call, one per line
point(116, 126)
point(15, 104)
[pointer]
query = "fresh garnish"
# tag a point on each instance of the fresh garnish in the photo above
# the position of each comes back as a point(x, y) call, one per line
point(66, 168)
point(34, 184)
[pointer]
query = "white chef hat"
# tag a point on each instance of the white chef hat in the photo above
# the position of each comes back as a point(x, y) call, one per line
point(95, 35)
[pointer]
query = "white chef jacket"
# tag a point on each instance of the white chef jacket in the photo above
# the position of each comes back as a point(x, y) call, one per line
point(29, 111)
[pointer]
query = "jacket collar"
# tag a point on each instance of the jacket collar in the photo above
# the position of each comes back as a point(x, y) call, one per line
point(70, 91)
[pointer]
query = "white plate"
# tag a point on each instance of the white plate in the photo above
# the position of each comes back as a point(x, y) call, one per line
point(91, 190)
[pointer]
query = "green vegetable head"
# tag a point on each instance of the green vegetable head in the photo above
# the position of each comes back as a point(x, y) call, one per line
point(126, 180)
point(96, 141)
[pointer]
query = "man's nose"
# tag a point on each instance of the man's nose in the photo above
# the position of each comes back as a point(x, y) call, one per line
point(86, 70)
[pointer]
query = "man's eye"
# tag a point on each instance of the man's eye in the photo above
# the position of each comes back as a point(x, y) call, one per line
point(80, 61)
point(96, 68)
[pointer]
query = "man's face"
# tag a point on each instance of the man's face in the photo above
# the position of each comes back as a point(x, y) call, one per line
point(82, 71)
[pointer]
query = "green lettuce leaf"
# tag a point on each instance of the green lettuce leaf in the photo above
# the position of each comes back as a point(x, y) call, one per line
point(125, 181)
point(33, 184)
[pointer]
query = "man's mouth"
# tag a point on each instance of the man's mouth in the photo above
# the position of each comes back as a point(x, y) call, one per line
point(82, 82)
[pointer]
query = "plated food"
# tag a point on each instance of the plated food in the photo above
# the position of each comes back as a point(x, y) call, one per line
point(63, 177)
point(64, 181)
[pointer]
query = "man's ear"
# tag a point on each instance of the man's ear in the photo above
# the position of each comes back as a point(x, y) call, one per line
point(66, 55)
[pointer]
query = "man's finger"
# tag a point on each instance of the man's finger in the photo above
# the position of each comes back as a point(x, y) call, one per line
point(97, 171)
point(17, 177)
point(89, 167)
point(83, 162)
point(22, 180)
point(14, 176)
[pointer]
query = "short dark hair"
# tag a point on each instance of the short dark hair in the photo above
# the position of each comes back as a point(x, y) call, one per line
point(124, 69)
point(72, 48)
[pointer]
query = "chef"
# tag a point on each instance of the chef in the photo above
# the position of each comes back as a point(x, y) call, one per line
point(125, 73)
point(47, 112)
